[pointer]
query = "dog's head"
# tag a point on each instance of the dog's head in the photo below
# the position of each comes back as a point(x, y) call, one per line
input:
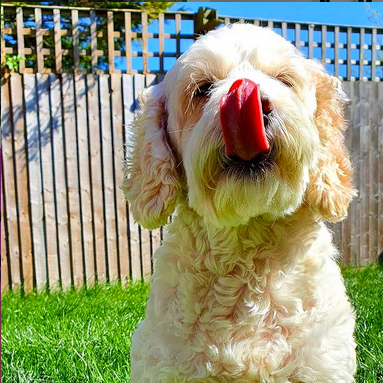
point(241, 126)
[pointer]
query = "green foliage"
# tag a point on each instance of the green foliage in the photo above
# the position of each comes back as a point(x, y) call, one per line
point(13, 61)
point(151, 7)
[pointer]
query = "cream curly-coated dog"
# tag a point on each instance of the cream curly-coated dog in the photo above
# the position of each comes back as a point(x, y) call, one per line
point(243, 141)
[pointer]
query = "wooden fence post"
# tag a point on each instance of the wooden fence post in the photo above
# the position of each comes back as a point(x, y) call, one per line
point(20, 37)
point(2, 41)
point(205, 20)
point(57, 37)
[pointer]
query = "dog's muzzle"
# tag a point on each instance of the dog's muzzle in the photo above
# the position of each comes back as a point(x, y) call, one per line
point(242, 112)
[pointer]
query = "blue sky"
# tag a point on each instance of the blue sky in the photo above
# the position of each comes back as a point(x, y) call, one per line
point(332, 13)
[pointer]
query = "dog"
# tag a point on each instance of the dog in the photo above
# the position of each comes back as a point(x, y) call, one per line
point(243, 142)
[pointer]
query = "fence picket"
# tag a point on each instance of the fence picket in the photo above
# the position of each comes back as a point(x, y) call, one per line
point(75, 41)
point(10, 196)
point(130, 83)
point(39, 41)
point(118, 133)
point(20, 37)
point(336, 52)
point(2, 39)
point(364, 170)
point(35, 180)
point(65, 267)
point(93, 40)
point(161, 19)
point(144, 27)
point(178, 35)
point(96, 175)
point(143, 234)
point(69, 114)
point(57, 37)
point(345, 245)
point(361, 53)
point(311, 32)
point(155, 235)
point(108, 178)
point(349, 72)
point(373, 174)
point(110, 41)
point(355, 155)
point(128, 41)
point(84, 176)
point(47, 176)
point(21, 187)
point(373, 55)
point(379, 103)
point(6, 282)
point(323, 45)
point(128, 113)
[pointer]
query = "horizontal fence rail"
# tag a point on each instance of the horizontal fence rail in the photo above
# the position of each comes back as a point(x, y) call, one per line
point(64, 218)
point(82, 40)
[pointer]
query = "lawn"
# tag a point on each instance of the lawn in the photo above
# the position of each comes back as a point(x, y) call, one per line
point(84, 336)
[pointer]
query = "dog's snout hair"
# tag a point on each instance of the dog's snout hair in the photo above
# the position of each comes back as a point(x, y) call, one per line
point(245, 286)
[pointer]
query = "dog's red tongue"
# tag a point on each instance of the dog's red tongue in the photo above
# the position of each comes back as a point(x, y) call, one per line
point(242, 121)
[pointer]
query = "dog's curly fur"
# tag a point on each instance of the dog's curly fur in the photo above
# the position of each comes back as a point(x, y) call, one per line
point(245, 286)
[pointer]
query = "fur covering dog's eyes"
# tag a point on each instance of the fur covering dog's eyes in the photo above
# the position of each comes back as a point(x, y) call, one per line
point(203, 90)
point(286, 80)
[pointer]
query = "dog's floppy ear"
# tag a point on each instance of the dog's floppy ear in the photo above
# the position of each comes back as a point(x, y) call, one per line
point(330, 188)
point(150, 177)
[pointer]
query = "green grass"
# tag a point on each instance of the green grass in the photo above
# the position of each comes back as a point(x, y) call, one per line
point(84, 336)
point(365, 289)
point(79, 336)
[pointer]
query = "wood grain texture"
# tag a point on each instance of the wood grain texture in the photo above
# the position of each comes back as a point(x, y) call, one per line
point(58, 44)
point(380, 167)
point(364, 170)
point(60, 183)
point(129, 106)
point(7, 131)
point(49, 211)
point(84, 177)
point(39, 41)
point(6, 280)
point(72, 163)
point(108, 177)
point(20, 37)
point(119, 135)
point(22, 182)
point(35, 180)
point(96, 176)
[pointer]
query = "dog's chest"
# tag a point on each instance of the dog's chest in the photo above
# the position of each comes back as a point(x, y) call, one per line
point(246, 318)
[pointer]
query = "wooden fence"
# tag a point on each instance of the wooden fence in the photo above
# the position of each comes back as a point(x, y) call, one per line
point(65, 121)
point(64, 219)
point(82, 40)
